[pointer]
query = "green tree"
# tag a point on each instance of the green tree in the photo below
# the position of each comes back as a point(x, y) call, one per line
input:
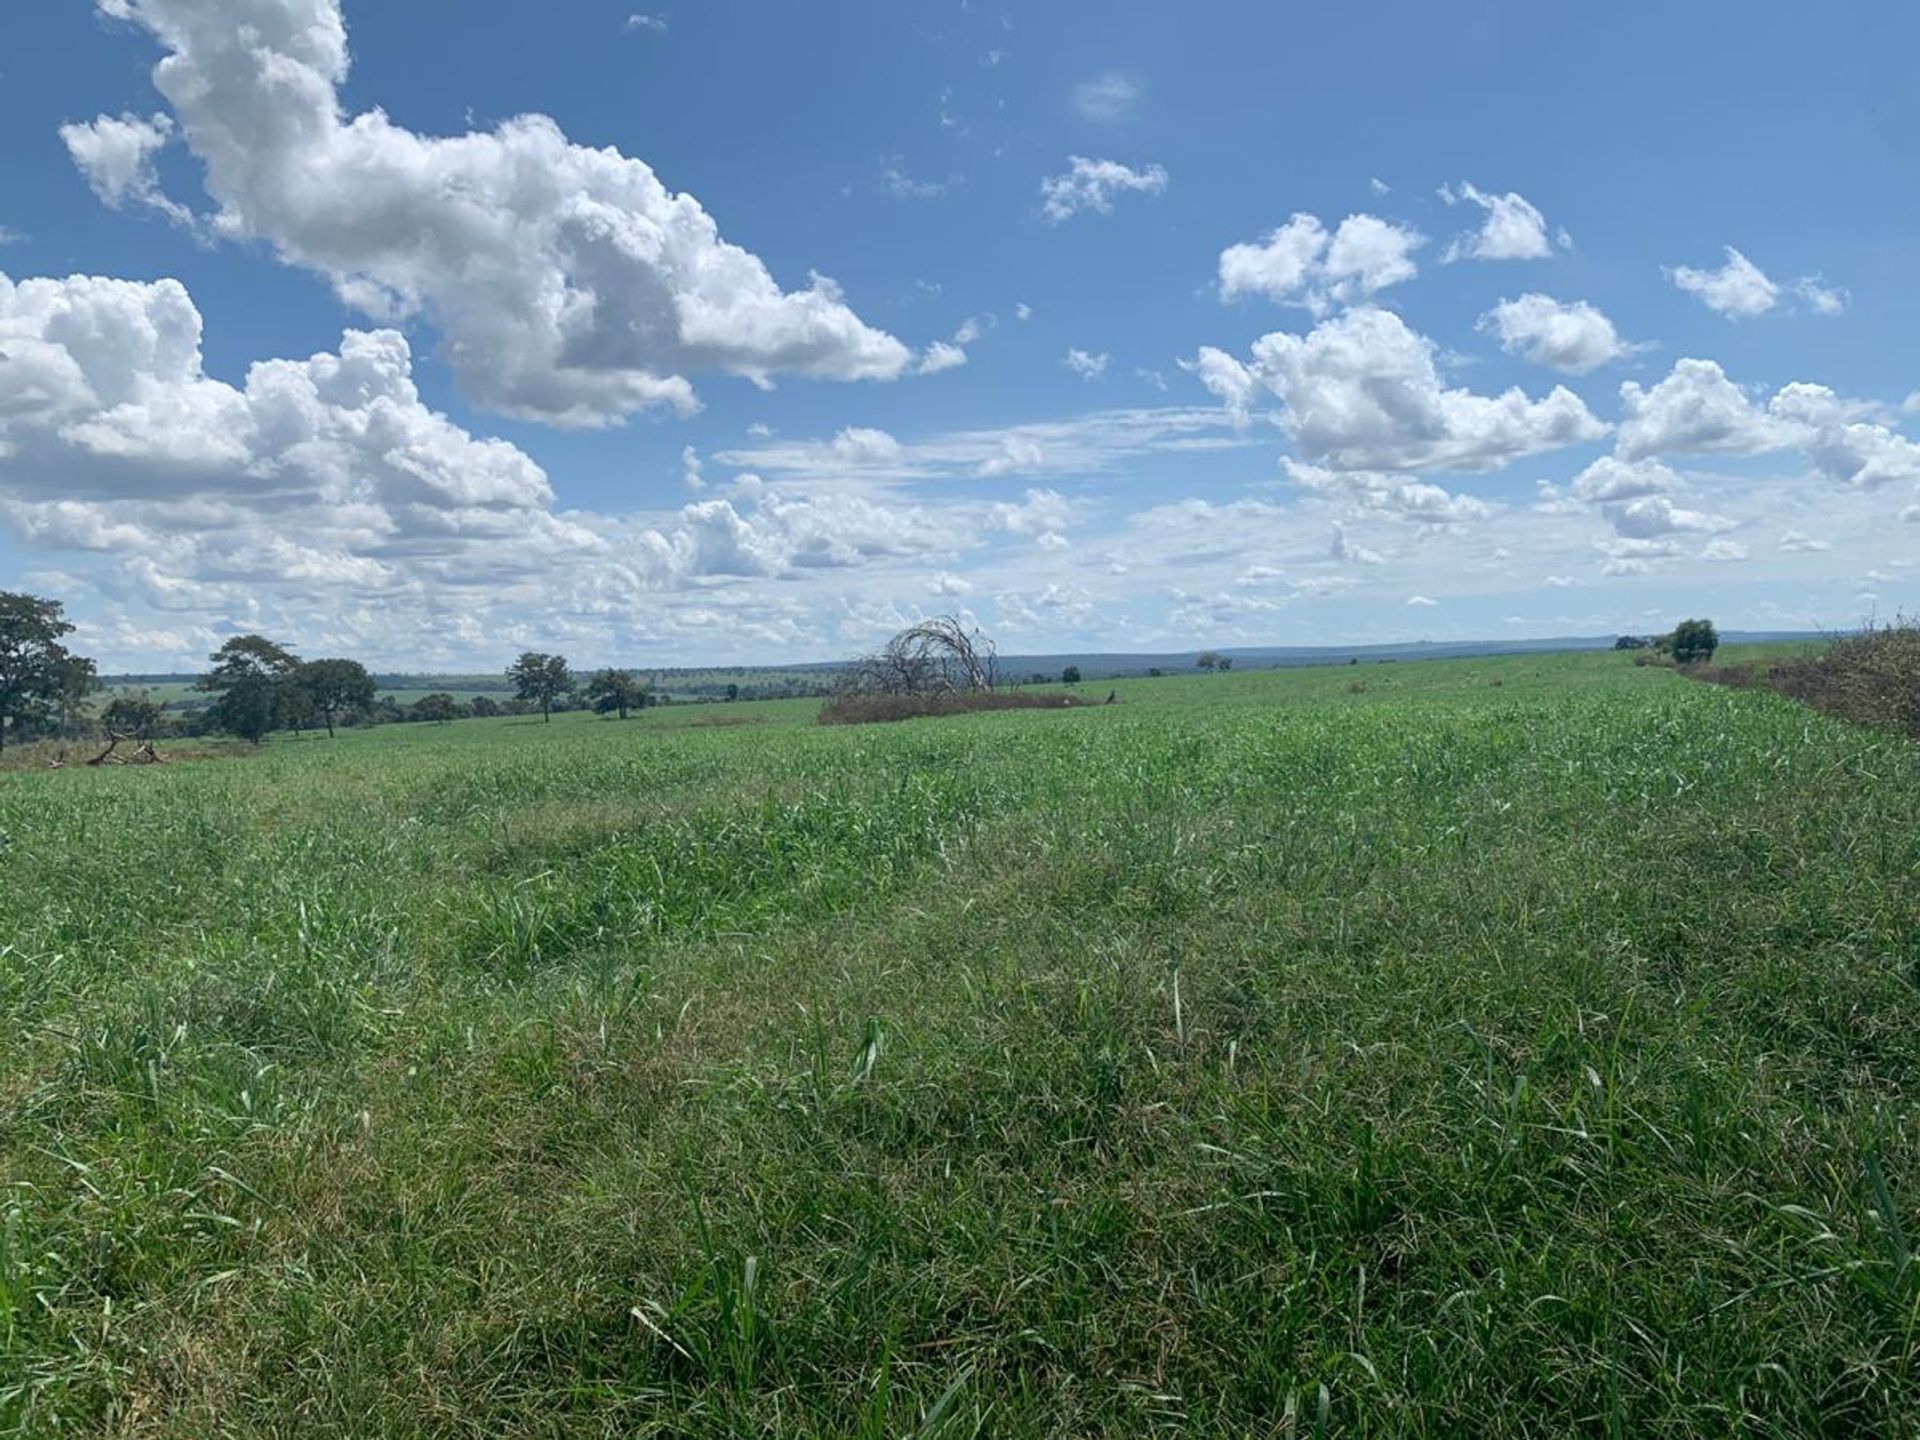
point(483, 707)
point(335, 687)
point(1070, 675)
point(1694, 642)
point(250, 676)
point(622, 690)
point(39, 676)
point(1209, 660)
point(541, 680)
point(439, 708)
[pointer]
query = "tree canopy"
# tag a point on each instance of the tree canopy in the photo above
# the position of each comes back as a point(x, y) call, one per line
point(1694, 642)
point(613, 690)
point(251, 675)
point(39, 676)
point(541, 679)
point(335, 687)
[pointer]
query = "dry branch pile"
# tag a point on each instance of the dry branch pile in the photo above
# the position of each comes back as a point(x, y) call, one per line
point(942, 656)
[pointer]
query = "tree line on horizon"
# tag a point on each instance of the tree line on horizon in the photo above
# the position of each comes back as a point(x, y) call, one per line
point(256, 686)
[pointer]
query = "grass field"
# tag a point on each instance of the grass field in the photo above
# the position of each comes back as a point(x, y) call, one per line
point(1493, 1048)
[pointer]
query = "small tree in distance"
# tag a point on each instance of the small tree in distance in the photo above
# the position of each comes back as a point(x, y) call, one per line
point(1210, 660)
point(541, 680)
point(335, 687)
point(613, 690)
point(250, 675)
point(1693, 642)
point(1070, 675)
point(438, 708)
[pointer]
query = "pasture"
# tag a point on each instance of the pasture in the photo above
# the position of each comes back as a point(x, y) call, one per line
point(1500, 1047)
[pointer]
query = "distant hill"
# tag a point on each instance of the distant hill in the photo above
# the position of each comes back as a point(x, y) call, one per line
point(1277, 657)
point(708, 681)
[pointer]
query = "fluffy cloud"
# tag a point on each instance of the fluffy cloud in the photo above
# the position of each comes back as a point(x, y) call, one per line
point(1043, 515)
point(325, 486)
point(1514, 228)
point(1609, 480)
point(1652, 516)
point(1842, 447)
point(570, 285)
point(939, 356)
point(1363, 392)
point(1697, 410)
point(1087, 366)
point(1575, 338)
point(1300, 263)
point(1825, 299)
point(1738, 290)
point(102, 395)
point(1386, 496)
point(116, 156)
point(1092, 185)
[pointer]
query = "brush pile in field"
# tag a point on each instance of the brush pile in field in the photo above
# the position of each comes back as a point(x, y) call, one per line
point(874, 709)
point(1872, 678)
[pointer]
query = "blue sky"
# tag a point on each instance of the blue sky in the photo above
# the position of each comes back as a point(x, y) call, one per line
point(1147, 328)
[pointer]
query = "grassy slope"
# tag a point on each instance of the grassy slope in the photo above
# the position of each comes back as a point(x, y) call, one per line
point(1514, 1047)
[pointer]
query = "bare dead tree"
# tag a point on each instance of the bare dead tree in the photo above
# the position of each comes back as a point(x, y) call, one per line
point(935, 657)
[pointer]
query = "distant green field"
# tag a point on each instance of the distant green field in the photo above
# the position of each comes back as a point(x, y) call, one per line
point(1508, 1047)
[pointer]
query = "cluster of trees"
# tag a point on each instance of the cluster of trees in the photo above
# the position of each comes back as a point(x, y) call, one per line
point(1214, 660)
point(43, 685)
point(548, 682)
point(255, 686)
point(1690, 642)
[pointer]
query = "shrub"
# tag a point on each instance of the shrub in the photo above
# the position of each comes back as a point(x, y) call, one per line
point(1694, 642)
point(1872, 678)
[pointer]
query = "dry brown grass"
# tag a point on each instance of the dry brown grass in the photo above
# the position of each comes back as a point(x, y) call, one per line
point(1870, 678)
point(74, 754)
point(879, 709)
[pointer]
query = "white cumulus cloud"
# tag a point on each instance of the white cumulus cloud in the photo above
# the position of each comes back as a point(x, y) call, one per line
point(1514, 228)
point(1363, 391)
point(1086, 365)
point(1575, 338)
point(1301, 263)
point(116, 155)
point(1091, 185)
point(569, 283)
point(1738, 290)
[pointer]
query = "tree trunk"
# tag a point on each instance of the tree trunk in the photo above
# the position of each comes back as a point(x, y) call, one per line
point(329, 724)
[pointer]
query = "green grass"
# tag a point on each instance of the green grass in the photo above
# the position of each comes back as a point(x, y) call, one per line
point(1510, 1047)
